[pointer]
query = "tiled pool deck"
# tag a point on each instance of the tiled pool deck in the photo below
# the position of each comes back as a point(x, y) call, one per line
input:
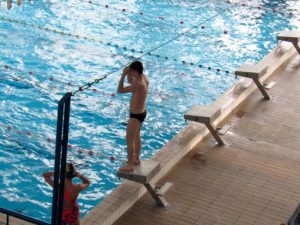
point(256, 180)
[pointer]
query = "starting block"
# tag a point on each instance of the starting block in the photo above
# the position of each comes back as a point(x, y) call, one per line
point(254, 72)
point(143, 174)
point(290, 36)
point(206, 115)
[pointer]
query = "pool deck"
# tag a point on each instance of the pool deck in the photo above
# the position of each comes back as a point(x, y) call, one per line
point(256, 180)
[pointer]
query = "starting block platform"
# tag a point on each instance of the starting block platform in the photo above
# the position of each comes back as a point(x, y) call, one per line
point(206, 115)
point(290, 36)
point(143, 173)
point(254, 72)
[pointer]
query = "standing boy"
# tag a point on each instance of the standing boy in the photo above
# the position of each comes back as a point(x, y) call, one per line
point(138, 86)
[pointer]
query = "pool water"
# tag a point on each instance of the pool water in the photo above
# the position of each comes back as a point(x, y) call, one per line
point(52, 47)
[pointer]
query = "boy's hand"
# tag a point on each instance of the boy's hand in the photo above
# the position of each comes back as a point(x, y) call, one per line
point(125, 70)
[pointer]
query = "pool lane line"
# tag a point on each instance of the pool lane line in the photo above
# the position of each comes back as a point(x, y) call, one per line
point(89, 84)
point(52, 79)
point(141, 13)
point(183, 62)
point(181, 21)
point(23, 80)
point(171, 27)
point(79, 150)
point(116, 46)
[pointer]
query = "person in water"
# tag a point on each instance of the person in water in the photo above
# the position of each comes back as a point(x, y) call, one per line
point(71, 214)
point(138, 87)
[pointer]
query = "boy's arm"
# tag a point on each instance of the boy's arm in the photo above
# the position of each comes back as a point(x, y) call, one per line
point(121, 83)
point(130, 88)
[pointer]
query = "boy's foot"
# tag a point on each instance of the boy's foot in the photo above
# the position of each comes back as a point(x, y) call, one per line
point(136, 162)
point(126, 168)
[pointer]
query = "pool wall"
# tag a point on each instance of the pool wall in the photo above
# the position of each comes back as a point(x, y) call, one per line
point(128, 193)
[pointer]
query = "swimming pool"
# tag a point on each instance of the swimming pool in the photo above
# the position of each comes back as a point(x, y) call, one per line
point(66, 44)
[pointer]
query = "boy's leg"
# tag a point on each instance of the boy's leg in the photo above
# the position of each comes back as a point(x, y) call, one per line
point(132, 128)
point(138, 145)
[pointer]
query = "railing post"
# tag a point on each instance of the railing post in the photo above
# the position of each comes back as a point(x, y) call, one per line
point(62, 132)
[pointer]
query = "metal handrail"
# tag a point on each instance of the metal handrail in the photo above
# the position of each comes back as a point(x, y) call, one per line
point(21, 217)
point(62, 132)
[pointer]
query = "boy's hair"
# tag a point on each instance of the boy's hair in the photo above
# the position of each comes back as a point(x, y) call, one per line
point(70, 171)
point(137, 66)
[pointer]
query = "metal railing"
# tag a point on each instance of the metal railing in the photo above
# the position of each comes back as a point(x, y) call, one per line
point(62, 133)
point(9, 214)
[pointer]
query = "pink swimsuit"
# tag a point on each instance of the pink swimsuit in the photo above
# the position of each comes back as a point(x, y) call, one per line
point(70, 215)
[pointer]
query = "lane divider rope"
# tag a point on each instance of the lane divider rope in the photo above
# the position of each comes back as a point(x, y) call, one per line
point(86, 151)
point(124, 48)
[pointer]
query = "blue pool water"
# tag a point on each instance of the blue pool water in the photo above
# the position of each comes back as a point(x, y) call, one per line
point(37, 64)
